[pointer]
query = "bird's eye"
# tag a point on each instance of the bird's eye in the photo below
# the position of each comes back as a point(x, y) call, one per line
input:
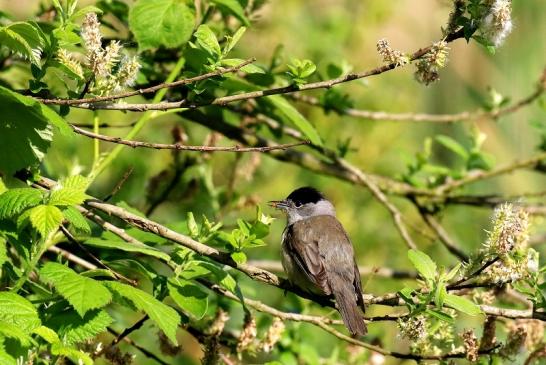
point(298, 204)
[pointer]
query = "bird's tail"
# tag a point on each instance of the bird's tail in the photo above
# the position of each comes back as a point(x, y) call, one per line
point(348, 308)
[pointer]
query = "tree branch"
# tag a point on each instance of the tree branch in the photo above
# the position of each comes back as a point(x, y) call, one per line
point(181, 147)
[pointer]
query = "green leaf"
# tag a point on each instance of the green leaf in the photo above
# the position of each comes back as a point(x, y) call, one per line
point(441, 315)
point(76, 219)
point(207, 40)
point(47, 334)
point(233, 40)
point(14, 201)
point(234, 8)
point(75, 355)
point(239, 257)
point(81, 292)
point(192, 225)
point(423, 263)
point(440, 294)
point(66, 196)
point(292, 115)
point(166, 318)
point(452, 145)
point(24, 39)
point(158, 23)
point(76, 182)
point(13, 331)
point(25, 131)
point(451, 274)
point(45, 218)
point(16, 310)
point(127, 247)
point(74, 329)
point(249, 69)
point(188, 296)
point(462, 304)
point(3, 252)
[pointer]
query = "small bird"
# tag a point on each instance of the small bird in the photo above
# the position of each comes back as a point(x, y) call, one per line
point(317, 254)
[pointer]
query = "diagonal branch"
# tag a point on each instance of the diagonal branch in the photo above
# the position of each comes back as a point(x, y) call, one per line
point(181, 147)
point(326, 84)
point(148, 90)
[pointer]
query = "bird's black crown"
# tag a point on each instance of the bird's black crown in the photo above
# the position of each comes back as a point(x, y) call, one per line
point(305, 195)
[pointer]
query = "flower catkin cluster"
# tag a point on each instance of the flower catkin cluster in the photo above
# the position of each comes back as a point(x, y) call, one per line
point(273, 335)
point(496, 24)
point(514, 343)
point(533, 328)
point(389, 55)
point(470, 345)
point(248, 334)
point(508, 240)
point(430, 64)
point(109, 70)
point(413, 328)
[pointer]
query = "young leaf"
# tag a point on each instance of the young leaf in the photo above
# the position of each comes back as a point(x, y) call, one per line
point(14, 201)
point(423, 263)
point(233, 40)
point(292, 115)
point(16, 310)
point(66, 196)
point(234, 8)
point(441, 315)
point(239, 257)
point(76, 182)
point(462, 304)
point(81, 292)
point(76, 219)
point(24, 39)
point(158, 23)
point(452, 145)
point(45, 218)
point(188, 296)
point(207, 40)
point(127, 247)
point(166, 318)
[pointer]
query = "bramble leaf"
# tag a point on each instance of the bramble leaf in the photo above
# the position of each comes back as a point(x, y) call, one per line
point(45, 218)
point(16, 310)
point(14, 201)
point(81, 292)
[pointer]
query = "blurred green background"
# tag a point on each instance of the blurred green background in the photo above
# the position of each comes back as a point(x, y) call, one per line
point(331, 31)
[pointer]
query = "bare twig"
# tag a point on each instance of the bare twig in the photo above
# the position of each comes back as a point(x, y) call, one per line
point(181, 147)
point(441, 233)
point(148, 90)
point(431, 118)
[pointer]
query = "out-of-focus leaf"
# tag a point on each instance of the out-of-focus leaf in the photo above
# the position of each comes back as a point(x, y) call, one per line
point(158, 23)
point(234, 8)
point(127, 247)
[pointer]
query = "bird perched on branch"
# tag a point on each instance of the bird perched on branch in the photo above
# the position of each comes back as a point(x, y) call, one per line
point(317, 254)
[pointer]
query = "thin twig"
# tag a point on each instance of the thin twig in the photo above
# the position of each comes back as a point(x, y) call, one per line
point(445, 239)
point(148, 90)
point(120, 183)
point(181, 147)
point(422, 117)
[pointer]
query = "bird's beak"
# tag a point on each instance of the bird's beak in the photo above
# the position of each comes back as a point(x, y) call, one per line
point(279, 204)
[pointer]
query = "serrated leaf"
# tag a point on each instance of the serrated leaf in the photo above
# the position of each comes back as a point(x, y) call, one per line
point(166, 318)
point(16, 310)
point(207, 40)
point(47, 334)
point(81, 292)
point(249, 69)
point(14, 201)
point(45, 218)
point(292, 115)
point(66, 196)
point(13, 331)
point(23, 38)
point(158, 23)
point(128, 247)
point(423, 263)
point(77, 356)
point(234, 8)
point(74, 329)
point(25, 131)
point(452, 145)
point(188, 296)
point(76, 219)
point(462, 304)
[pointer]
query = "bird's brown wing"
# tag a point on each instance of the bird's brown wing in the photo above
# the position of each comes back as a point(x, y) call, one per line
point(303, 247)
